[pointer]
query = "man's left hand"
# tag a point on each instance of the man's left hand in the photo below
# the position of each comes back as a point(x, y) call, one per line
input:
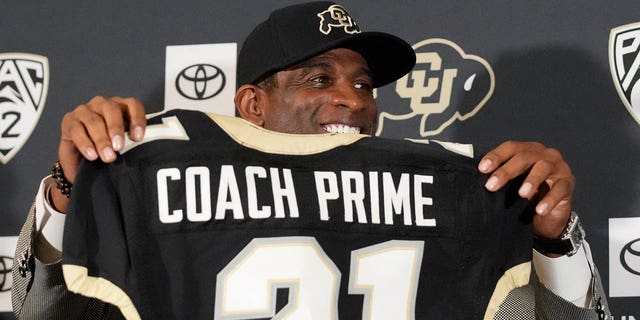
point(549, 182)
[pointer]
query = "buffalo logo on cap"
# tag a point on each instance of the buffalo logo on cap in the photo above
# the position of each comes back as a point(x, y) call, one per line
point(337, 17)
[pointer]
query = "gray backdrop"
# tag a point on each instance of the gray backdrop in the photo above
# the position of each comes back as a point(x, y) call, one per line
point(526, 70)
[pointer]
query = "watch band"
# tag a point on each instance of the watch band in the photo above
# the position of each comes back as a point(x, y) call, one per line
point(567, 244)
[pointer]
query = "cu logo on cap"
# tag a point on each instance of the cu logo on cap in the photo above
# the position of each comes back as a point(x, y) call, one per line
point(630, 257)
point(200, 81)
point(5, 272)
point(337, 17)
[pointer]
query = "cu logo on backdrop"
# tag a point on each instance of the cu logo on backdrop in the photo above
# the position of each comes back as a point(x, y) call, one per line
point(630, 257)
point(446, 85)
point(200, 81)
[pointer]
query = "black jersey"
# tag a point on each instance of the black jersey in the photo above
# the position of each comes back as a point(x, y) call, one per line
point(214, 218)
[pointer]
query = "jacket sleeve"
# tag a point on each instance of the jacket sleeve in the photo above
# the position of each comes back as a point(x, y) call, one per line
point(38, 290)
point(535, 301)
point(551, 306)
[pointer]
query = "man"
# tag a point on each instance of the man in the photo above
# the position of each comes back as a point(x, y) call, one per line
point(309, 69)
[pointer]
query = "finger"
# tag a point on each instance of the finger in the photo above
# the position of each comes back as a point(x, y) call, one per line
point(514, 167)
point(557, 198)
point(134, 111)
point(115, 116)
point(540, 172)
point(72, 129)
point(551, 226)
point(551, 222)
point(67, 149)
point(506, 150)
point(94, 127)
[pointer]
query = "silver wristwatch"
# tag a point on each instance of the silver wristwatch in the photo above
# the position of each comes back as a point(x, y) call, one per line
point(568, 243)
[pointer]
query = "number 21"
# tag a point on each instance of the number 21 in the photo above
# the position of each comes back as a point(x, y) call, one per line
point(386, 274)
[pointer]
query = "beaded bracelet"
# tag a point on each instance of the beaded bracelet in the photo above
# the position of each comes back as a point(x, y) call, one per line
point(61, 181)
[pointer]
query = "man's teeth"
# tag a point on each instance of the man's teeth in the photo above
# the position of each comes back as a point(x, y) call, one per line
point(340, 128)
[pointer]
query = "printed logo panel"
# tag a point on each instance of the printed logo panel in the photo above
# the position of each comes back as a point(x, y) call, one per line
point(445, 86)
point(7, 249)
point(24, 82)
point(624, 61)
point(201, 77)
point(624, 257)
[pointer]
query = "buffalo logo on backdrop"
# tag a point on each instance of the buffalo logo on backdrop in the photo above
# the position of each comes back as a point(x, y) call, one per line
point(201, 77)
point(200, 81)
point(7, 248)
point(337, 17)
point(445, 86)
point(24, 82)
point(624, 61)
point(624, 257)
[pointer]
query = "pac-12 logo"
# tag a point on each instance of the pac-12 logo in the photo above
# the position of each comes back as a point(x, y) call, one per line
point(24, 81)
point(445, 86)
point(624, 61)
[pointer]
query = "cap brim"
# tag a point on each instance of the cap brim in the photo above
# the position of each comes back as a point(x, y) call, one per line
point(388, 56)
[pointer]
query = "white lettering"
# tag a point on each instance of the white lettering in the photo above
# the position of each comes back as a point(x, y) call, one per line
point(279, 192)
point(351, 188)
point(252, 195)
point(374, 197)
point(396, 200)
point(323, 193)
point(228, 188)
point(202, 175)
point(163, 195)
point(420, 200)
point(353, 196)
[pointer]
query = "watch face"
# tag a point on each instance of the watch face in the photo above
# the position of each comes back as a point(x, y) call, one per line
point(575, 234)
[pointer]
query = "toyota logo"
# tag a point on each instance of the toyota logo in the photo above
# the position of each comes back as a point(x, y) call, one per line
point(200, 81)
point(630, 257)
point(5, 273)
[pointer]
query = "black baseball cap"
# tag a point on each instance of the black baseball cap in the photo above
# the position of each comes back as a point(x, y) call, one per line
point(295, 33)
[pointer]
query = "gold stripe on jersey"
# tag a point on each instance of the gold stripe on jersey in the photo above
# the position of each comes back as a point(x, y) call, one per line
point(258, 138)
point(79, 281)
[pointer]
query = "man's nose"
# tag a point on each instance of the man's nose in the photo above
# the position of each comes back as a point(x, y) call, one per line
point(348, 96)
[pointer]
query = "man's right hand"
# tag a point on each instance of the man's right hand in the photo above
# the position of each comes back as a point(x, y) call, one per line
point(96, 129)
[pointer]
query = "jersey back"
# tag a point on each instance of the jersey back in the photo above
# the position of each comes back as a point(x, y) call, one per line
point(211, 217)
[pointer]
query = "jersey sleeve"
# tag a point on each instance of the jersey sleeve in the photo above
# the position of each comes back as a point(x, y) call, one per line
point(95, 251)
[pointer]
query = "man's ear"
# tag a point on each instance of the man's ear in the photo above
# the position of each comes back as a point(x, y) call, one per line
point(249, 101)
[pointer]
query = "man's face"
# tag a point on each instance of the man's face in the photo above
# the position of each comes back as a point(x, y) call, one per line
point(331, 92)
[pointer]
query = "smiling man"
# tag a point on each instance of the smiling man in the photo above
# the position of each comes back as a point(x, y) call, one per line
point(309, 69)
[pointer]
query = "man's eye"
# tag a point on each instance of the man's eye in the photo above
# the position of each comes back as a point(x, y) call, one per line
point(320, 80)
point(363, 85)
